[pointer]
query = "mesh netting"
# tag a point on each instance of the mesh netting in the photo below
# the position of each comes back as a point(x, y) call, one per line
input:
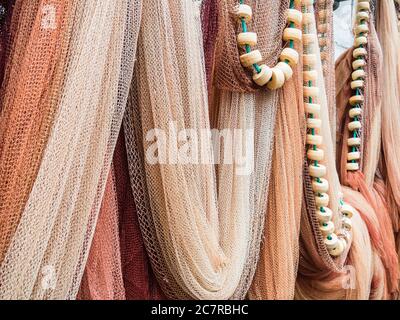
point(57, 224)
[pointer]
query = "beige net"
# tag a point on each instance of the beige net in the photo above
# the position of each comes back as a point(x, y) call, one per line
point(48, 252)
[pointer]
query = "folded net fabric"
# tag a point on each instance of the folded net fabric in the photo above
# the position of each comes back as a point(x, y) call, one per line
point(190, 223)
point(29, 95)
point(55, 230)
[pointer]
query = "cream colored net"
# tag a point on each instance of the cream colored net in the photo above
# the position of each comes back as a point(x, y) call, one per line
point(202, 236)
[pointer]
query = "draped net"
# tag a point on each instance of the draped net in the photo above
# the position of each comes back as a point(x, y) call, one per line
point(58, 221)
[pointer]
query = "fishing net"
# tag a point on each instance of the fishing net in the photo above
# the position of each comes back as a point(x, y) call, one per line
point(48, 252)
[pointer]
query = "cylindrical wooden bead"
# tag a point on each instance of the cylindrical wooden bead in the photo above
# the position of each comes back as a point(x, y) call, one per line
point(337, 249)
point(352, 166)
point(357, 99)
point(248, 59)
point(314, 139)
point(353, 156)
point(286, 69)
point(310, 75)
point(359, 63)
point(291, 55)
point(325, 215)
point(312, 92)
point(309, 60)
point(321, 186)
point(249, 38)
point(314, 123)
point(362, 15)
point(307, 2)
point(318, 171)
point(361, 40)
point(355, 112)
point(263, 76)
point(347, 211)
point(322, 200)
point(354, 125)
point(315, 155)
point(361, 29)
point(363, 6)
point(346, 224)
point(312, 108)
point(359, 52)
point(292, 34)
point(327, 228)
point(277, 80)
point(331, 241)
point(243, 11)
point(294, 16)
point(357, 84)
point(358, 74)
point(353, 142)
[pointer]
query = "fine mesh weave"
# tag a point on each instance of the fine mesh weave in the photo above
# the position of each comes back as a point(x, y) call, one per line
point(196, 248)
point(29, 96)
point(268, 21)
point(57, 224)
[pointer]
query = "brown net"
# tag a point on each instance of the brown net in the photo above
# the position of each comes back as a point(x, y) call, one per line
point(30, 93)
point(268, 22)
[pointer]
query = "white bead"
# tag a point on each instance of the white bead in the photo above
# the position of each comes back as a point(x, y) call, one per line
point(354, 125)
point(359, 63)
point(356, 99)
point(357, 84)
point(359, 52)
point(294, 16)
point(362, 5)
point(332, 242)
point(352, 166)
point(346, 224)
point(292, 34)
point(362, 15)
point(337, 249)
point(309, 60)
point(315, 155)
point(290, 55)
point(321, 186)
point(286, 69)
point(355, 112)
point(314, 139)
point(249, 38)
point(248, 59)
point(322, 200)
point(318, 171)
point(310, 75)
point(327, 228)
point(277, 79)
point(361, 29)
point(312, 108)
point(353, 142)
point(263, 76)
point(361, 40)
point(314, 123)
point(243, 11)
point(324, 216)
point(353, 156)
point(357, 74)
point(347, 210)
point(312, 92)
